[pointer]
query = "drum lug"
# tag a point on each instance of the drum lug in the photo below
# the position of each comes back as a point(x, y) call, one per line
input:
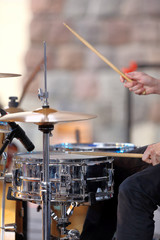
point(8, 177)
point(17, 174)
point(65, 183)
point(45, 187)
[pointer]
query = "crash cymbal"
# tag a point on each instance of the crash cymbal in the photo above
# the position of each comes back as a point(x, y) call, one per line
point(43, 116)
point(5, 75)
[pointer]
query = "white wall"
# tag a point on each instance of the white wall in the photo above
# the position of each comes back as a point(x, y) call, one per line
point(14, 22)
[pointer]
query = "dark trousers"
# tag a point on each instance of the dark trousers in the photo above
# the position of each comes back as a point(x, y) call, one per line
point(139, 195)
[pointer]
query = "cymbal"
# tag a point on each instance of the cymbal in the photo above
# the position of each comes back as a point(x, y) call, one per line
point(43, 116)
point(13, 109)
point(5, 75)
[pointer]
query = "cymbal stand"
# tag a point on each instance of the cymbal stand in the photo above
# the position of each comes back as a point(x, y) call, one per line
point(3, 199)
point(45, 183)
point(43, 96)
point(45, 178)
point(6, 177)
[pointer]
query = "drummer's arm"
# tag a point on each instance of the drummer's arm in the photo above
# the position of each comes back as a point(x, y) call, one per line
point(142, 83)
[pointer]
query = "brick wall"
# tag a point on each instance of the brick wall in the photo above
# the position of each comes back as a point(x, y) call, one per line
point(77, 79)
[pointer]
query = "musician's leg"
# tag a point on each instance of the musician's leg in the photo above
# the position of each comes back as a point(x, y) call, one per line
point(138, 198)
point(100, 222)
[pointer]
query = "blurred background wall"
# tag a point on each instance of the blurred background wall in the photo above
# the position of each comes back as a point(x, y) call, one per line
point(122, 30)
point(14, 41)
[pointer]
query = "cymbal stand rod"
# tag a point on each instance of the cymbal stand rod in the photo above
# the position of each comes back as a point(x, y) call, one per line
point(46, 193)
point(3, 202)
point(45, 77)
point(46, 184)
point(3, 208)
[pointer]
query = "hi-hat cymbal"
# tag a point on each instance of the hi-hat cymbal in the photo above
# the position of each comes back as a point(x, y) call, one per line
point(13, 109)
point(5, 75)
point(45, 116)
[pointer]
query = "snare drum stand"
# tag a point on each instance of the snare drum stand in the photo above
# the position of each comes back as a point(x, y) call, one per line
point(46, 196)
point(63, 221)
point(45, 183)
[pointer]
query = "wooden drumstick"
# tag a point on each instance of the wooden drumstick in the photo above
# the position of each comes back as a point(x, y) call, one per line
point(98, 53)
point(109, 154)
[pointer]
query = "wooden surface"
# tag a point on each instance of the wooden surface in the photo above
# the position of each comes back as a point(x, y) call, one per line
point(10, 212)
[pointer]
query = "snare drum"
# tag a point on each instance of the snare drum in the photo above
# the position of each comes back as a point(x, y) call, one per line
point(69, 177)
point(79, 213)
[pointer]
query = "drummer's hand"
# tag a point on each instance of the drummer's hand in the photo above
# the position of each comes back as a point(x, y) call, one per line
point(152, 154)
point(142, 83)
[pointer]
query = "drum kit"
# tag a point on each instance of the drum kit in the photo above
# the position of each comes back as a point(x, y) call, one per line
point(56, 176)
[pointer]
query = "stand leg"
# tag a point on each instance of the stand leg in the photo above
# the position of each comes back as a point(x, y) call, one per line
point(46, 190)
point(3, 208)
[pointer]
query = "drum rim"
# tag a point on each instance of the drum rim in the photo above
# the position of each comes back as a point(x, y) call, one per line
point(31, 158)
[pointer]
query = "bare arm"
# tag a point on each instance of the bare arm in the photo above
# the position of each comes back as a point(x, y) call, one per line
point(142, 82)
point(152, 154)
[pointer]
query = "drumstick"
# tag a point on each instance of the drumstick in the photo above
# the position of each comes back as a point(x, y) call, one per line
point(109, 154)
point(98, 53)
